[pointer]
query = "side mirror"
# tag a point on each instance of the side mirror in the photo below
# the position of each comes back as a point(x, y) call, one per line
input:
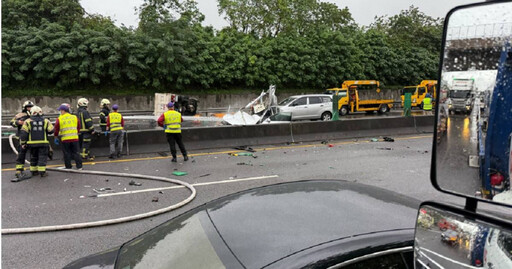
point(472, 156)
point(447, 237)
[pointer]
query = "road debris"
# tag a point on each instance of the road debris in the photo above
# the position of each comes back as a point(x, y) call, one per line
point(385, 148)
point(161, 192)
point(249, 163)
point(66, 179)
point(133, 183)
point(103, 190)
point(374, 140)
point(388, 139)
point(87, 186)
point(82, 196)
point(325, 142)
point(205, 175)
point(331, 145)
point(179, 173)
point(246, 148)
point(155, 199)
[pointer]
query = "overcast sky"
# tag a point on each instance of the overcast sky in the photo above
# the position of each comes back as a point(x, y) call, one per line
point(363, 11)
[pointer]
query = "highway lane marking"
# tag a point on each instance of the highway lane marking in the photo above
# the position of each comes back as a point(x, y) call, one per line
point(195, 185)
point(228, 151)
point(448, 259)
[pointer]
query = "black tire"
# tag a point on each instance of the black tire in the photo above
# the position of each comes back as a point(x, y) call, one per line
point(326, 116)
point(343, 110)
point(383, 109)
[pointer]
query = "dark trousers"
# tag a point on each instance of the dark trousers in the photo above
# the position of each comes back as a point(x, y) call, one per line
point(173, 138)
point(38, 157)
point(70, 150)
point(116, 142)
point(20, 160)
point(85, 144)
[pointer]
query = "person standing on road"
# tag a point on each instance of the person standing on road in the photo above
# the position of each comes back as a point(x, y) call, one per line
point(171, 121)
point(34, 136)
point(67, 127)
point(427, 104)
point(115, 124)
point(87, 129)
point(17, 122)
point(105, 110)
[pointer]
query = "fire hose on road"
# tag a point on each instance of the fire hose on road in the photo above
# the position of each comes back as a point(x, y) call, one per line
point(109, 221)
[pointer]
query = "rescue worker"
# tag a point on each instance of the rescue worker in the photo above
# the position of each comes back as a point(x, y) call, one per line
point(67, 127)
point(105, 110)
point(17, 122)
point(34, 136)
point(87, 129)
point(115, 124)
point(171, 121)
point(427, 104)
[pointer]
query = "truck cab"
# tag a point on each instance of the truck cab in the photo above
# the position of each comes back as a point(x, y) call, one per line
point(461, 96)
point(419, 92)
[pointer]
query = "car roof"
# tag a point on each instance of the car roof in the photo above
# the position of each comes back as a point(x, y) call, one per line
point(311, 95)
point(263, 225)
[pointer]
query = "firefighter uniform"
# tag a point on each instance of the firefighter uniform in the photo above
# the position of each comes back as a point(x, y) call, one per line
point(34, 135)
point(115, 125)
point(86, 131)
point(22, 152)
point(103, 118)
point(171, 121)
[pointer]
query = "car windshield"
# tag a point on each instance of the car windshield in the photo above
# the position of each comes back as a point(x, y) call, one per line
point(460, 94)
point(287, 101)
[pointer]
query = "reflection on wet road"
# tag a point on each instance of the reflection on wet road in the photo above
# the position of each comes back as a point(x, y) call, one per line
point(445, 254)
point(453, 151)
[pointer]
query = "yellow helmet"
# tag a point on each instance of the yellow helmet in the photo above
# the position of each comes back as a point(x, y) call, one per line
point(82, 102)
point(36, 111)
point(104, 102)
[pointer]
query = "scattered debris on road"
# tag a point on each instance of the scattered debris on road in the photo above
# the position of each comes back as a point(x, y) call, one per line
point(374, 140)
point(205, 175)
point(331, 145)
point(155, 199)
point(385, 148)
point(103, 190)
point(133, 183)
point(246, 148)
point(249, 163)
point(179, 173)
point(388, 139)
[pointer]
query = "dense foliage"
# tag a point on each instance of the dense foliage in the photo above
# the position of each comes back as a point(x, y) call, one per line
point(55, 45)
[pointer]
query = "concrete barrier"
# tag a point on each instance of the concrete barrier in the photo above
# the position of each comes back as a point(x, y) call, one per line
point(154, 141)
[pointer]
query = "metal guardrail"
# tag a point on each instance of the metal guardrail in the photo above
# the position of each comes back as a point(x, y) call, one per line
point(480, 31)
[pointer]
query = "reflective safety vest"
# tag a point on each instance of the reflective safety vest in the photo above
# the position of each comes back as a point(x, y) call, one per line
point(115, 121)
point(68, 127)
point(427, 104)
point(172, 122)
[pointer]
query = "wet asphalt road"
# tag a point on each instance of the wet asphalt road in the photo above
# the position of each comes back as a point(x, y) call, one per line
point(402, 166)
point(456, 146)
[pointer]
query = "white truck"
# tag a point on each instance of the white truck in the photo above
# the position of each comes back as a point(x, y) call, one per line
point(461, 95)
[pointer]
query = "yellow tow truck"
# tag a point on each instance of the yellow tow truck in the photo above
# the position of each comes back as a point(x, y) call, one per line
point(419, 92)
point(358, 96)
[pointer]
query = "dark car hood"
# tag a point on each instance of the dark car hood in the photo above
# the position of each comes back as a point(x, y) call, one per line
point(263, 225)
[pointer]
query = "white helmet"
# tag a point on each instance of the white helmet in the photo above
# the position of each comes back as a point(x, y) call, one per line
point(105, 102)
point(28, 104)
point(36, 111)
point(82, 102)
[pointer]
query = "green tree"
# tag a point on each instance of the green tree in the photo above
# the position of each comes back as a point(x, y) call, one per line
point(31, 13)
